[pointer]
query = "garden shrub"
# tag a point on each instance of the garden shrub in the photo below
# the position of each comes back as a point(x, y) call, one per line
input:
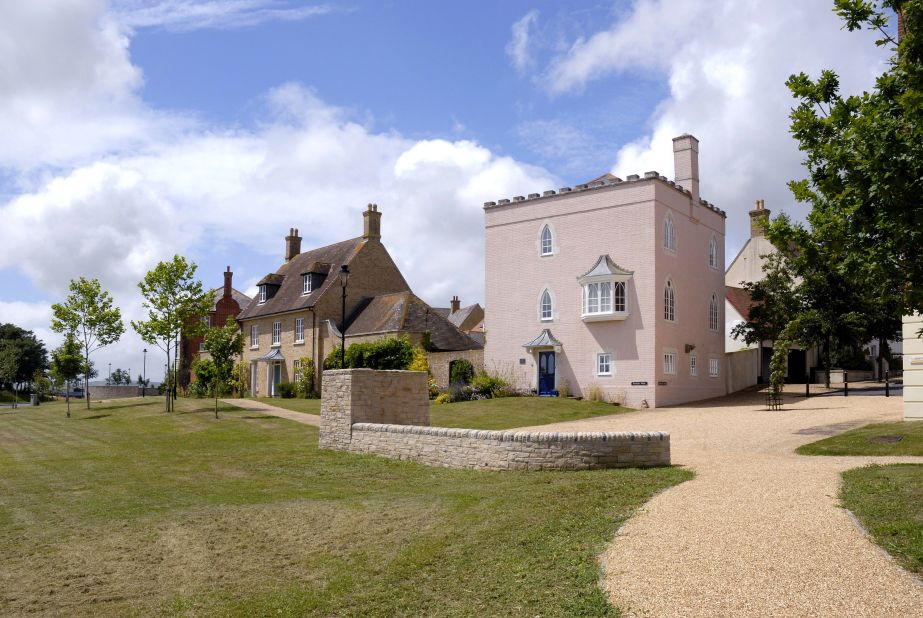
point(390, 353)
point(304, 386)
point(593, 392)
point(286, 390)
point(442, 398)
point(460, 392)
point(490, 385)
point(461, 371)
point(198, 390)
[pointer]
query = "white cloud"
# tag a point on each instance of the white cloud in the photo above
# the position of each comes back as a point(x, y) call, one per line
point(518, 47)
point(186, 15)
point(726, 63)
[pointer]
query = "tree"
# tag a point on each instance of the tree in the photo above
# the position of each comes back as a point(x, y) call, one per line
point(864, 157)
point(67, 364)
point(173, 299)
point(32, 356)
point(88, 313)
point(10, 361)
point(224, 345)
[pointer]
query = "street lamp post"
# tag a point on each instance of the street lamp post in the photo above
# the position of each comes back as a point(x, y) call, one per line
point(344, 280)
point(110, 374)
point(144, 375)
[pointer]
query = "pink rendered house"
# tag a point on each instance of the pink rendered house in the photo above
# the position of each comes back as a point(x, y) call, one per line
point(614, 286)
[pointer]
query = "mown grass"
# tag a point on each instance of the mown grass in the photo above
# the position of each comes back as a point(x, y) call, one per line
point(125, 510)
point(888, 500)
point(502, 413)
point(857, 441)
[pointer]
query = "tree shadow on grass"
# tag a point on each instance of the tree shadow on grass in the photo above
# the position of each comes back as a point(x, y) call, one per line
point(95, 416)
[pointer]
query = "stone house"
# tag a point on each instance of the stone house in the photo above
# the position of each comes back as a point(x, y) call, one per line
point(297, 313)
point(469, 320)
point(612, 287)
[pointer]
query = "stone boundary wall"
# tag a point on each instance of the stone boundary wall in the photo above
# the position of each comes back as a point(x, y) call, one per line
point(387, 413)
point(439, 363)
point(120, 392)
point(510, 450)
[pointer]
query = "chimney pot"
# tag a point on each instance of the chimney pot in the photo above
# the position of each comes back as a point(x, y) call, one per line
point(292, 244)
point(456, 304)
point(371, 223)
point(228, 275)
point(759, 217)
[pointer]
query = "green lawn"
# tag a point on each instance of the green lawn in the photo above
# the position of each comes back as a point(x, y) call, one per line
point(888, 500)
point(125, 510)
point(857, 441)
point(490, 413)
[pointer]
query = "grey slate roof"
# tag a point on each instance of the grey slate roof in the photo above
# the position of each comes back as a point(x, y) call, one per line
point(288, 297)
point(544, 340)
point(405, 312)
point(242, 299)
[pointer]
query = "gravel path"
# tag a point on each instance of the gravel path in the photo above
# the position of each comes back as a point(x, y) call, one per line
point(265, 408)
point(759, 531)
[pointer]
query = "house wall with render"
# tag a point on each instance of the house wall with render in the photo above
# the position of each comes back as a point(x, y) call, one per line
point(623, 220)
point(913, 368)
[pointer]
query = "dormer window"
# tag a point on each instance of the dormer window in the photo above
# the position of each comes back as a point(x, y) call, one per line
point(262, 294)
point(305, 284)
point(604, 291)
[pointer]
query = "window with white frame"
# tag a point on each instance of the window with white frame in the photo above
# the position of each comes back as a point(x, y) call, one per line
point(693, 365)
point(603, 293)
point(713, 367)
point(299, 330)
point(547, 241)
point(713, 313)
point(305, 284)
point(669, 363)
point(201, 346)
point(262, 294)
point(669, 302)
point(255, 336)
point(546, 310)
point(669, 234)
point(276, 333)
point(713, 253)
point(604, 364)
point(296, 373)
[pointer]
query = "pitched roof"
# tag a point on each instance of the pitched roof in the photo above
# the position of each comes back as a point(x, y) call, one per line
point(461, 316)
point(289, 295)
point(242, 299)
point(544, 340)
point(739, 299)
point(405, 312)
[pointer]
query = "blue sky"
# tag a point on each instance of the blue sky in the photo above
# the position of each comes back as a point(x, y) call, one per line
point(136, 129)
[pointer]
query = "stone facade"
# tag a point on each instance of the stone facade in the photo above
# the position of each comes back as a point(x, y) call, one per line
point(387, 413)
point(913, 368)
point(440, 362)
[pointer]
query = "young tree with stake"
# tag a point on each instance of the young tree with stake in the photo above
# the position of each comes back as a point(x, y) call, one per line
point(89, 314)
point(173, 298)
point(224, 345)
point(67, 364)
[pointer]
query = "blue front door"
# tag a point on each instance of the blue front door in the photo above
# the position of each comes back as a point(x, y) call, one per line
point(546, 373)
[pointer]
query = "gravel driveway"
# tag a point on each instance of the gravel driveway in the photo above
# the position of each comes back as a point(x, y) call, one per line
point(759, 531)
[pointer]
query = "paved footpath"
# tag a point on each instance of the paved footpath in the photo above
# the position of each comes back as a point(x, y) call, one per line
point(759, 531)
point(258, 406)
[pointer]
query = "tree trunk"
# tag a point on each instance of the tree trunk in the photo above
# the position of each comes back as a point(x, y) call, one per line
point(827, 363)
point(217, 390)
point(86, 380)
point(166, 376)
point(67, 398)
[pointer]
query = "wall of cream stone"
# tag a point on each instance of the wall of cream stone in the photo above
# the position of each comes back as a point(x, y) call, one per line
point(440, 362)
point(387, 413)
point(913, 368)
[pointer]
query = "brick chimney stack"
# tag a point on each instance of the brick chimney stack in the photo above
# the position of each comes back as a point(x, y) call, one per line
point(759, 217)
point(371, 223)
point(686, 164)
point(456, 305)
point(292, 244)
point(228, 275)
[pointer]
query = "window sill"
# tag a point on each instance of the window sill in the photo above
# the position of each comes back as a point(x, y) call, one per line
point(301, 342)
point(254, 347)
point(276, 345)
point(603, 375)
point(601, 317)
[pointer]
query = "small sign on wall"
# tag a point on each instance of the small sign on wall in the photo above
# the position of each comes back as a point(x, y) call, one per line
point(661, 383)
point(639, 383)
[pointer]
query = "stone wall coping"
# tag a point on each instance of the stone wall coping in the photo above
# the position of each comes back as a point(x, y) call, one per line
point(516, 436)
point(366, 370)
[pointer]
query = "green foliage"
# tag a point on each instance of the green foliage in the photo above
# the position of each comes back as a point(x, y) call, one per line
point(461, 371)
point(773, 301)
point(240, 379)
point(120, 376)
point(304, 385)
point(174, 301)
point(286, 390)
point(205, 374)
point(419, 361)
point(10, 357)
point(89, 313)
point(30, 354)
point(489, 385)
point(223, 344)
point(778, 364)
point(442, 398)
point(864, 161)
point(388, 353)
